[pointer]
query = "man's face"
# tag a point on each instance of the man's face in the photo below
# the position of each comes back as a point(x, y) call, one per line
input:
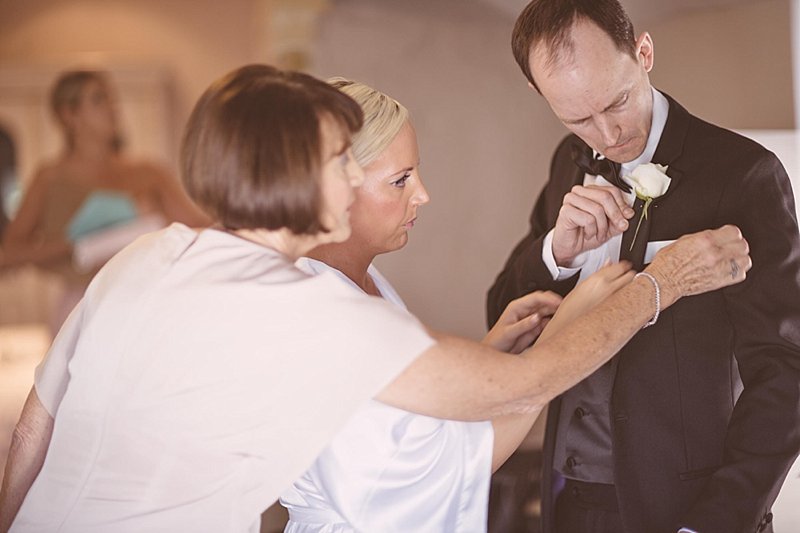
point(600, 93)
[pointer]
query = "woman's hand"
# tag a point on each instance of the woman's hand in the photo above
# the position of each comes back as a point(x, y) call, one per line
point(701, 262)
point(522, 321)
point(589, 293)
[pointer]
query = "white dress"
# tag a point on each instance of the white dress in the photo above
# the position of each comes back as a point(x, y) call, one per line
point(198, 377)
point(390, 470)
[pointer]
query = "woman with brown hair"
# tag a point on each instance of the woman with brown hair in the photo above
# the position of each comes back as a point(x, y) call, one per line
point(203, 372)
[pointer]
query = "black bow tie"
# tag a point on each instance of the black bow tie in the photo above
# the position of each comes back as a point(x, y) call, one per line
point(599, 167)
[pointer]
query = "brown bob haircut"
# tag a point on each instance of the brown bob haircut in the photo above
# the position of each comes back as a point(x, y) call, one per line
point(252, 150)
point(551, 21)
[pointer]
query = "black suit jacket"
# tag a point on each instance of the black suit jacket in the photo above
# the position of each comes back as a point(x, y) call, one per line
point(705, 409)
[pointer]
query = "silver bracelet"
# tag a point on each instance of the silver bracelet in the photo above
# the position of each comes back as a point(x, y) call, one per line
point(658, 297)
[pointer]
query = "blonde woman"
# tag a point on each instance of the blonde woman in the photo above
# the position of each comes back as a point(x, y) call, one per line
point(390, 469)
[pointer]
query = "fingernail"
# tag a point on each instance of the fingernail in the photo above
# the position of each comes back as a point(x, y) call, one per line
point(622, 224)
point(628, 212)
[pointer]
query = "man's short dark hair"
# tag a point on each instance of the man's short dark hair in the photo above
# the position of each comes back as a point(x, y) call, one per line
point(551, 21)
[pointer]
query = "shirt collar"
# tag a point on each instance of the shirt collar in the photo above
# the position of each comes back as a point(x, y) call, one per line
point(657, 123)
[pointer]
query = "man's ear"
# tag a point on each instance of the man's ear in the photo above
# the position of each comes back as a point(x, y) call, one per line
point(644, 51)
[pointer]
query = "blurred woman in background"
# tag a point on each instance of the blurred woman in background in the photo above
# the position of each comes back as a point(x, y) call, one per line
point(75, 200)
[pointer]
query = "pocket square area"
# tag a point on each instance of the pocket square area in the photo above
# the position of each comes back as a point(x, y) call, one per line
point(653, 247)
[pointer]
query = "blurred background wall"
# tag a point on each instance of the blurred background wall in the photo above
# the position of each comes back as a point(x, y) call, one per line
point(486, 138)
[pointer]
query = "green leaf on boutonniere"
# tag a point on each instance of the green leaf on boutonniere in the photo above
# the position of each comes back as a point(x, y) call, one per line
point(647, 201)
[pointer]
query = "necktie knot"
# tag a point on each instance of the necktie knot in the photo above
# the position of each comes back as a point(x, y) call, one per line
point(596, 166)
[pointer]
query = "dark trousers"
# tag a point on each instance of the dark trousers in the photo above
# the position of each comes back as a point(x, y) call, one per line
point(587, 508)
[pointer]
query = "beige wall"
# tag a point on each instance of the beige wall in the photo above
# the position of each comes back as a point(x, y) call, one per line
point(731, 66)
point(485, 140)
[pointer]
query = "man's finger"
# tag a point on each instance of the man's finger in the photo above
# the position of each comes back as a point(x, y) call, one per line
point(613, 203)
point(572, 217)
point(591, 207)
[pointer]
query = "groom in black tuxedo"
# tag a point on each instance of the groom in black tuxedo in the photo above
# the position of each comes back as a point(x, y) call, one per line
point(693, 426)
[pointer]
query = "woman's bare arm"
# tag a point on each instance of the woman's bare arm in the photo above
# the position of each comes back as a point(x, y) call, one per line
point(29, 445)
point(462, 380)
point(20, 245)
point(522, 321)
point(511, 430)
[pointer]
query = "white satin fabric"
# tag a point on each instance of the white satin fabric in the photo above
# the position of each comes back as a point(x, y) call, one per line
point(390, 470)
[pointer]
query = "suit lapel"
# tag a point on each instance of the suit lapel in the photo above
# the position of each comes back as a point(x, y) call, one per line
point(668, 152)
point(670, 146)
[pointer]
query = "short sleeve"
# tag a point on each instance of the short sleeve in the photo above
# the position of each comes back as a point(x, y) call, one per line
point(379, 338)
point(52, 374)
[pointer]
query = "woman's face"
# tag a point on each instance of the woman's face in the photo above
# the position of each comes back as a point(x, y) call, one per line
point(386, 205)
point(95, 115)
point(341, 174)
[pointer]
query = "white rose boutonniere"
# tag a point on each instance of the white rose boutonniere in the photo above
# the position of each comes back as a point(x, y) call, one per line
point(650, 181)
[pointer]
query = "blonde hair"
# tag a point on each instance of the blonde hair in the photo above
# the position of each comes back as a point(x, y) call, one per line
point(383, 118)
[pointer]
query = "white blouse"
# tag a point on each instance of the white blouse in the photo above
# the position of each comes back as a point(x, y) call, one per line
point(198, 377)
point(390, 470)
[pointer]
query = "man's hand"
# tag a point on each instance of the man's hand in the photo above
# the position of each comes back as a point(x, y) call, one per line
point(589, 216)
